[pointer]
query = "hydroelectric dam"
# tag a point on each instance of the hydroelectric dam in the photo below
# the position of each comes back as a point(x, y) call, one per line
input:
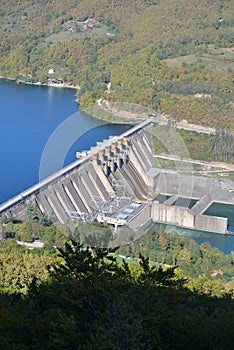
point(115, 182)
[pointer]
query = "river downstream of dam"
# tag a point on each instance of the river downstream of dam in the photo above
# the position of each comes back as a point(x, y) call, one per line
point(29, 116)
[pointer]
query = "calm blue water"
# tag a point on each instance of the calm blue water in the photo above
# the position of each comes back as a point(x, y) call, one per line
point(29, 115)
point(225, 211)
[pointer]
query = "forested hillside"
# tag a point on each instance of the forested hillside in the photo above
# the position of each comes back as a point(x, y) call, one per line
point(173, 56)
point(20, 265)
point(166, 292)
point(90, 301)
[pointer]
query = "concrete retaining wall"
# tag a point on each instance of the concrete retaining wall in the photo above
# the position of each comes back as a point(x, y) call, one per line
point(172, 215)
point(183, 217)
point(211, 224)
point(142, 218)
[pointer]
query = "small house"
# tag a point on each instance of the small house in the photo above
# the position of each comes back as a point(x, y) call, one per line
point(216, 273)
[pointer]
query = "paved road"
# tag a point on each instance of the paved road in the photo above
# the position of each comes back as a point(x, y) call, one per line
point(229, 167)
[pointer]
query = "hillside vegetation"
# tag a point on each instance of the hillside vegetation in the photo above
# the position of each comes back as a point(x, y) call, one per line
point(90, 301)
point(20, 265)
point(165, 292)
point(159, 54)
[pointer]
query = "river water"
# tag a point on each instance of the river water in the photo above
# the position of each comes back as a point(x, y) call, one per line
point(29, 116)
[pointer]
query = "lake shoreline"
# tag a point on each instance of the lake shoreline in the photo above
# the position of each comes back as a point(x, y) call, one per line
point(110, 119)
point(61, 86)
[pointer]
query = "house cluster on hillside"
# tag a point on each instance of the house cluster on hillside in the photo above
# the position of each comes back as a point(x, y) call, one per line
point(58, 82)
point(55, 82)
point(204, 96)
point(73, 26)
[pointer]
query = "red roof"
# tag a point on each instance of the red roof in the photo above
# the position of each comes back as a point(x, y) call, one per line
point(217, 272)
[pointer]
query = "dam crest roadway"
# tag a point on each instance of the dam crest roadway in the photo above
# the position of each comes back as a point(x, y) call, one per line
point(115, 182)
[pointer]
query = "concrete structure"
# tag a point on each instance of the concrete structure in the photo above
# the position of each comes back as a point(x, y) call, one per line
point(84, 188)
point(32, 245)
point(184, 217)
point(114, 182)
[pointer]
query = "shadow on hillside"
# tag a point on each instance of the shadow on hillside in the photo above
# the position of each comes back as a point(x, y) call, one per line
point(91, 302)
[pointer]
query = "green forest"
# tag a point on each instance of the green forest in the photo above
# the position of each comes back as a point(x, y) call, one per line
point(82, 291)
point(175, 57)
point(71, 295)
point(218, 147)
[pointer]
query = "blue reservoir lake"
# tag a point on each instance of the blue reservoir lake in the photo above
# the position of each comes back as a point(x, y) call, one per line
point(30, 115)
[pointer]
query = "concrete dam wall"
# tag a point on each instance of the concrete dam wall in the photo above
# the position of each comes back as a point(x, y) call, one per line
point(115, 183)
point(93, 183)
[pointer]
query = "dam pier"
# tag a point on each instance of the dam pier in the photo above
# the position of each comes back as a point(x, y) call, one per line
point(116, 183)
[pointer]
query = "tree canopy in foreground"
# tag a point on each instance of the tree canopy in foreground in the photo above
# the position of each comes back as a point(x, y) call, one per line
point(91, 301)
